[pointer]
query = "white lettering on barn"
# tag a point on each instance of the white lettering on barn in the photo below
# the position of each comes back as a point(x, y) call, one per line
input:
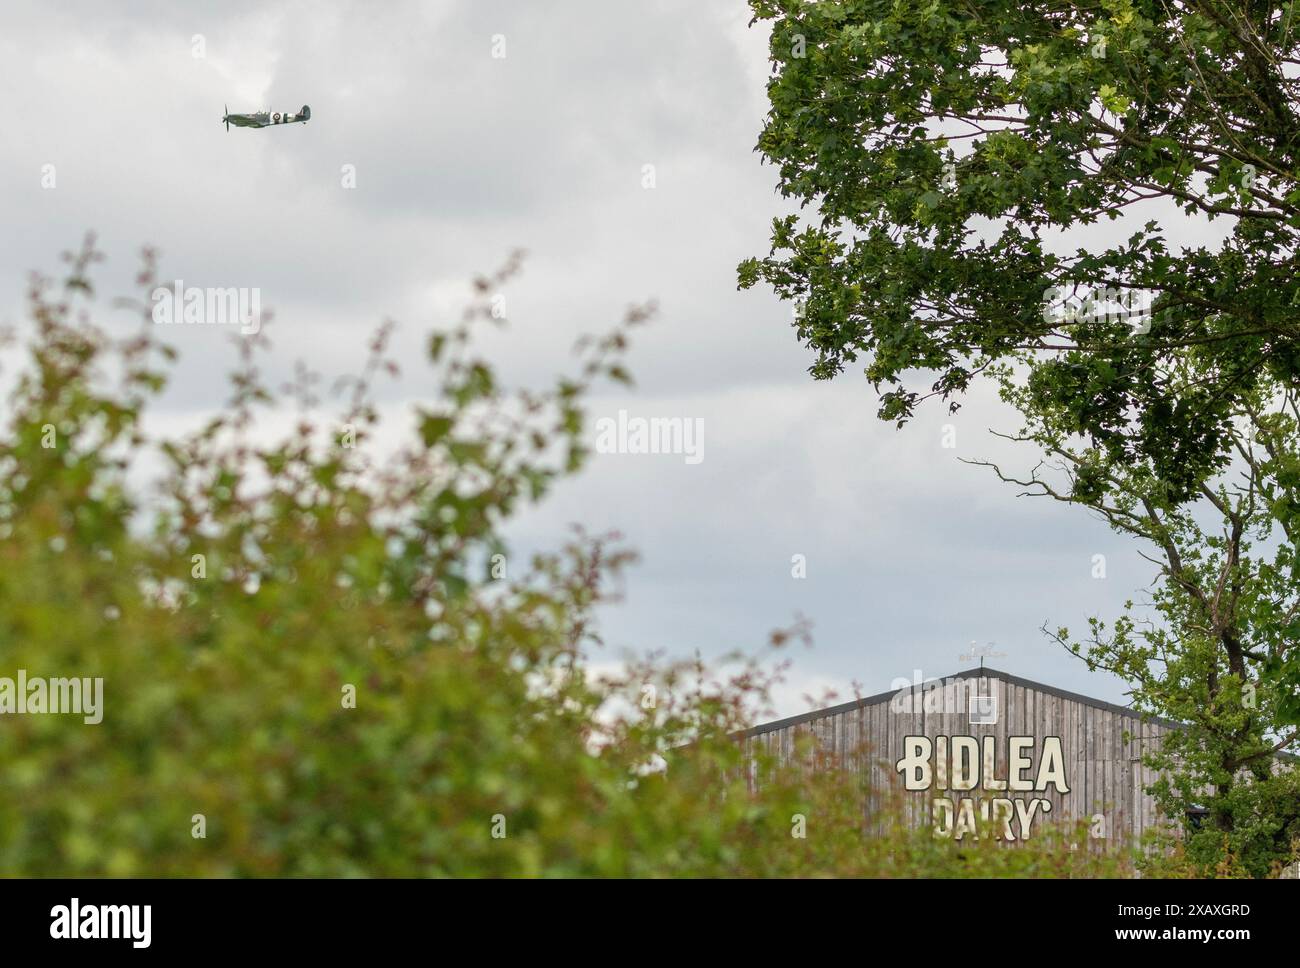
point(962, 763)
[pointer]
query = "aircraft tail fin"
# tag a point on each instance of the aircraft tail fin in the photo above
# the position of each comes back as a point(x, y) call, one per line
point(305, 113)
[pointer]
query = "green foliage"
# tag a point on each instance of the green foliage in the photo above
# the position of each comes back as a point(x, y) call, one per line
point(311, 643)
point(1212, 647)
point(946, 146)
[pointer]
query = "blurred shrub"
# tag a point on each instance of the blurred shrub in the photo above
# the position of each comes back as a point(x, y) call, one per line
point(323, 659)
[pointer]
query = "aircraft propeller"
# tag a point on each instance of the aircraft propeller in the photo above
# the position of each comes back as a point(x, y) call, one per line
point(226, 116)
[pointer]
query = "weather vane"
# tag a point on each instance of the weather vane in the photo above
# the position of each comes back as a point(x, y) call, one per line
point(981, 652)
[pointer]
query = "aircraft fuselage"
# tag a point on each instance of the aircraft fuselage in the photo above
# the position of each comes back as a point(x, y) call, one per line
point(267, 119)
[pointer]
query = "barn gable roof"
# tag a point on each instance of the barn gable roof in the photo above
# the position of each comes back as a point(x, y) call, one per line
point(982, 671)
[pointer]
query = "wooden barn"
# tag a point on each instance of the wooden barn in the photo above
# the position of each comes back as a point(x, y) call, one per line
point(986, 744)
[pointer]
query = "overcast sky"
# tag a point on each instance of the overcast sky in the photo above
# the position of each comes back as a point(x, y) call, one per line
point(459, 158)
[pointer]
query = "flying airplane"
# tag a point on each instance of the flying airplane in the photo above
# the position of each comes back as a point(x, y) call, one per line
point(264, 119)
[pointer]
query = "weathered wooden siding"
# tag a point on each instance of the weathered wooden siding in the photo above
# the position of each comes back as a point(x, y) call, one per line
point(1103, 745)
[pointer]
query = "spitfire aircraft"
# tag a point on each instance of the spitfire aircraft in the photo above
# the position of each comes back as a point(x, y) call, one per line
point(265, 119)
